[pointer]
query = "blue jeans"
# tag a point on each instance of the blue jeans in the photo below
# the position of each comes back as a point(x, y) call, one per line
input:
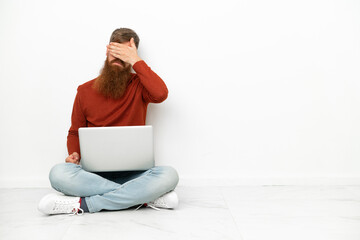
point(113, 190)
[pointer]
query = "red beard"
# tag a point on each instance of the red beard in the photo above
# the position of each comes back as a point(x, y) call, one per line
point(113, 79)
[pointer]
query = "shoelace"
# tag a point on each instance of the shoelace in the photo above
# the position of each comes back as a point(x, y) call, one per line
point(153, 207)
point(158, 202)
point(148, 205)
point(76, 212)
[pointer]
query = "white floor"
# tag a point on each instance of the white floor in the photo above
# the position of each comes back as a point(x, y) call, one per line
point(250, 213)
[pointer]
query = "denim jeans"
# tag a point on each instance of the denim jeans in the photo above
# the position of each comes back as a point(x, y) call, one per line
point(113, 190)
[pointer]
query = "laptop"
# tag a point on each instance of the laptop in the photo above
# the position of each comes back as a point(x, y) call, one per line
point(109, 149)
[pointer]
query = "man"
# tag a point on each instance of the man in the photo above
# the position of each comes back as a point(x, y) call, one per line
point(116, 97)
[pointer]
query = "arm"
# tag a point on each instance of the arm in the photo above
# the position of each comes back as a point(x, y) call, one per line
point(155, 89)
point(77, 120)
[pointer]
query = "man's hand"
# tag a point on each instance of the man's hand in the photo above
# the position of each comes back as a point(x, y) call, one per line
point(124, 51)
point(73, 158)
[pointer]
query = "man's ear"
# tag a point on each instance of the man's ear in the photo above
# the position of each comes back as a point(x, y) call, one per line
point(132, 43)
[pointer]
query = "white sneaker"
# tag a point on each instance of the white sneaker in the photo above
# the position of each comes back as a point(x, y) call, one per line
point(168, 200)
point(57, 204)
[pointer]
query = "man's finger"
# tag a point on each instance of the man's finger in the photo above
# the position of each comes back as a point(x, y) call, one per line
point(114, 44)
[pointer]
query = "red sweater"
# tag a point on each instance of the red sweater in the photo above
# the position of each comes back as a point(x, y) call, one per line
point(91, 109)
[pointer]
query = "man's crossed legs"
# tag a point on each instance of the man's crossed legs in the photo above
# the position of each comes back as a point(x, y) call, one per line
point(108, 190)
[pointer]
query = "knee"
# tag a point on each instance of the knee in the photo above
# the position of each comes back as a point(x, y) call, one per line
point(169, 175)
point(60, 173)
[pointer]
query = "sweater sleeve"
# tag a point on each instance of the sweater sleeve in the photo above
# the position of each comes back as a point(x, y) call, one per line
point(78, 120)
point(155, 89)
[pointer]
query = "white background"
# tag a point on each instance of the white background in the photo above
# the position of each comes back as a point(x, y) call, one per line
point(260, 92)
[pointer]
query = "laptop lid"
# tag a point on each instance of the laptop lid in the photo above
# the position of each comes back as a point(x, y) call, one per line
point(105, 149)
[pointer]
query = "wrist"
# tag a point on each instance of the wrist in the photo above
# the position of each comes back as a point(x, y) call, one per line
point(135, 61)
